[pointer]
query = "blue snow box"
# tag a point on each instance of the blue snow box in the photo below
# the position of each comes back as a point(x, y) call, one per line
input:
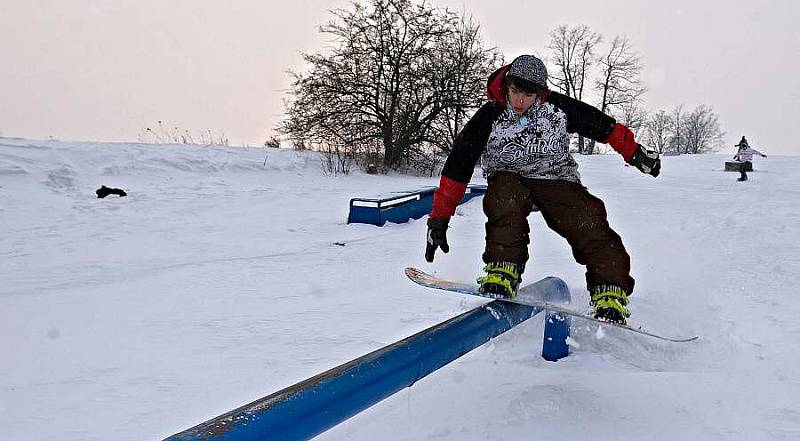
point(400, 207)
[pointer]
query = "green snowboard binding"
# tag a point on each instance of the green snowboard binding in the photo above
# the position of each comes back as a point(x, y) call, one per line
point(502, 279)
point(609, 303)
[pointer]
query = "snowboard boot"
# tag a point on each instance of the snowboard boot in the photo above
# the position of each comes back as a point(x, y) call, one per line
point(502, 279)
point(608, 303)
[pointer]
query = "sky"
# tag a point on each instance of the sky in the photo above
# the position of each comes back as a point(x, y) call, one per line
point(106, 70)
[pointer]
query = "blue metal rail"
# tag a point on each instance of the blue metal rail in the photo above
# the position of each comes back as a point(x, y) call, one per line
point(400, 207)
point(312, 406)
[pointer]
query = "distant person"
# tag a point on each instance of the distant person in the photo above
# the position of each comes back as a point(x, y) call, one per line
point(523, 134)
point(745, 157)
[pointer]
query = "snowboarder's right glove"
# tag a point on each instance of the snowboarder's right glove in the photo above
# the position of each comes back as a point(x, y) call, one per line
point(437, 236)
point(647, 161)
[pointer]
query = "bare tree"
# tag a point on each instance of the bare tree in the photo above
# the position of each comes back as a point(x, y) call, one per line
point(677, 139)
point(572, 53)
point(702, 130)
point(657, 131)
point(399, 71)
point(632, 115)
point(459, 57)
point(619, 85)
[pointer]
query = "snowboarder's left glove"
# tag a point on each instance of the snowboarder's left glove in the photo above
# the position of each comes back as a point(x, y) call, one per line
point(437, 236)
point(647, 161)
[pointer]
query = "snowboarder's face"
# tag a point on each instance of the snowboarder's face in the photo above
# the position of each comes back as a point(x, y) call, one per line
point(520, 100)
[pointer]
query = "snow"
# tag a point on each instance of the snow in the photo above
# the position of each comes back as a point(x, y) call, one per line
point(218, 281)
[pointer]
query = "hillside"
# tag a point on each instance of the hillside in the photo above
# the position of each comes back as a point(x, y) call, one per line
point(216, 281)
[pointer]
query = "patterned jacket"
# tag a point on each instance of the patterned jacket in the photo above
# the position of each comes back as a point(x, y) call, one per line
point(534, 145)
point(746, 153)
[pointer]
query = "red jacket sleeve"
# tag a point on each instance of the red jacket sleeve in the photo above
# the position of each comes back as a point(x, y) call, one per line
point(621, 140)
point(447, 197)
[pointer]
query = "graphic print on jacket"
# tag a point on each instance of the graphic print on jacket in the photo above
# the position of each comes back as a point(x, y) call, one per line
point(534, 144)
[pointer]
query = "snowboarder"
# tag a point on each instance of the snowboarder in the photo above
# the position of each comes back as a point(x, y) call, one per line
point(745, 157)
point(523, 134)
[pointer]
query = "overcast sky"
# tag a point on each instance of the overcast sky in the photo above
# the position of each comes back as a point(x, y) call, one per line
point(107, 69)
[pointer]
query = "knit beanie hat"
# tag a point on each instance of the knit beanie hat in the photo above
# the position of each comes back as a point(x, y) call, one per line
point(528, 72)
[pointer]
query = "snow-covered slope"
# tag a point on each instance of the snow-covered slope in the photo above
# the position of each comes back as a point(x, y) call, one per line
point(217, 282)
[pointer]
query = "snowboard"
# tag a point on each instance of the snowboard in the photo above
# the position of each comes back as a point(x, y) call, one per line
point(524, 297)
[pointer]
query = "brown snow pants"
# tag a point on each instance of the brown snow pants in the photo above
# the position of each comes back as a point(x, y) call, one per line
point(568, 209)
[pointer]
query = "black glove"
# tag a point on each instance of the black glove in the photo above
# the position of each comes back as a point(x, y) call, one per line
point(647, 161)
point(437, 236)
